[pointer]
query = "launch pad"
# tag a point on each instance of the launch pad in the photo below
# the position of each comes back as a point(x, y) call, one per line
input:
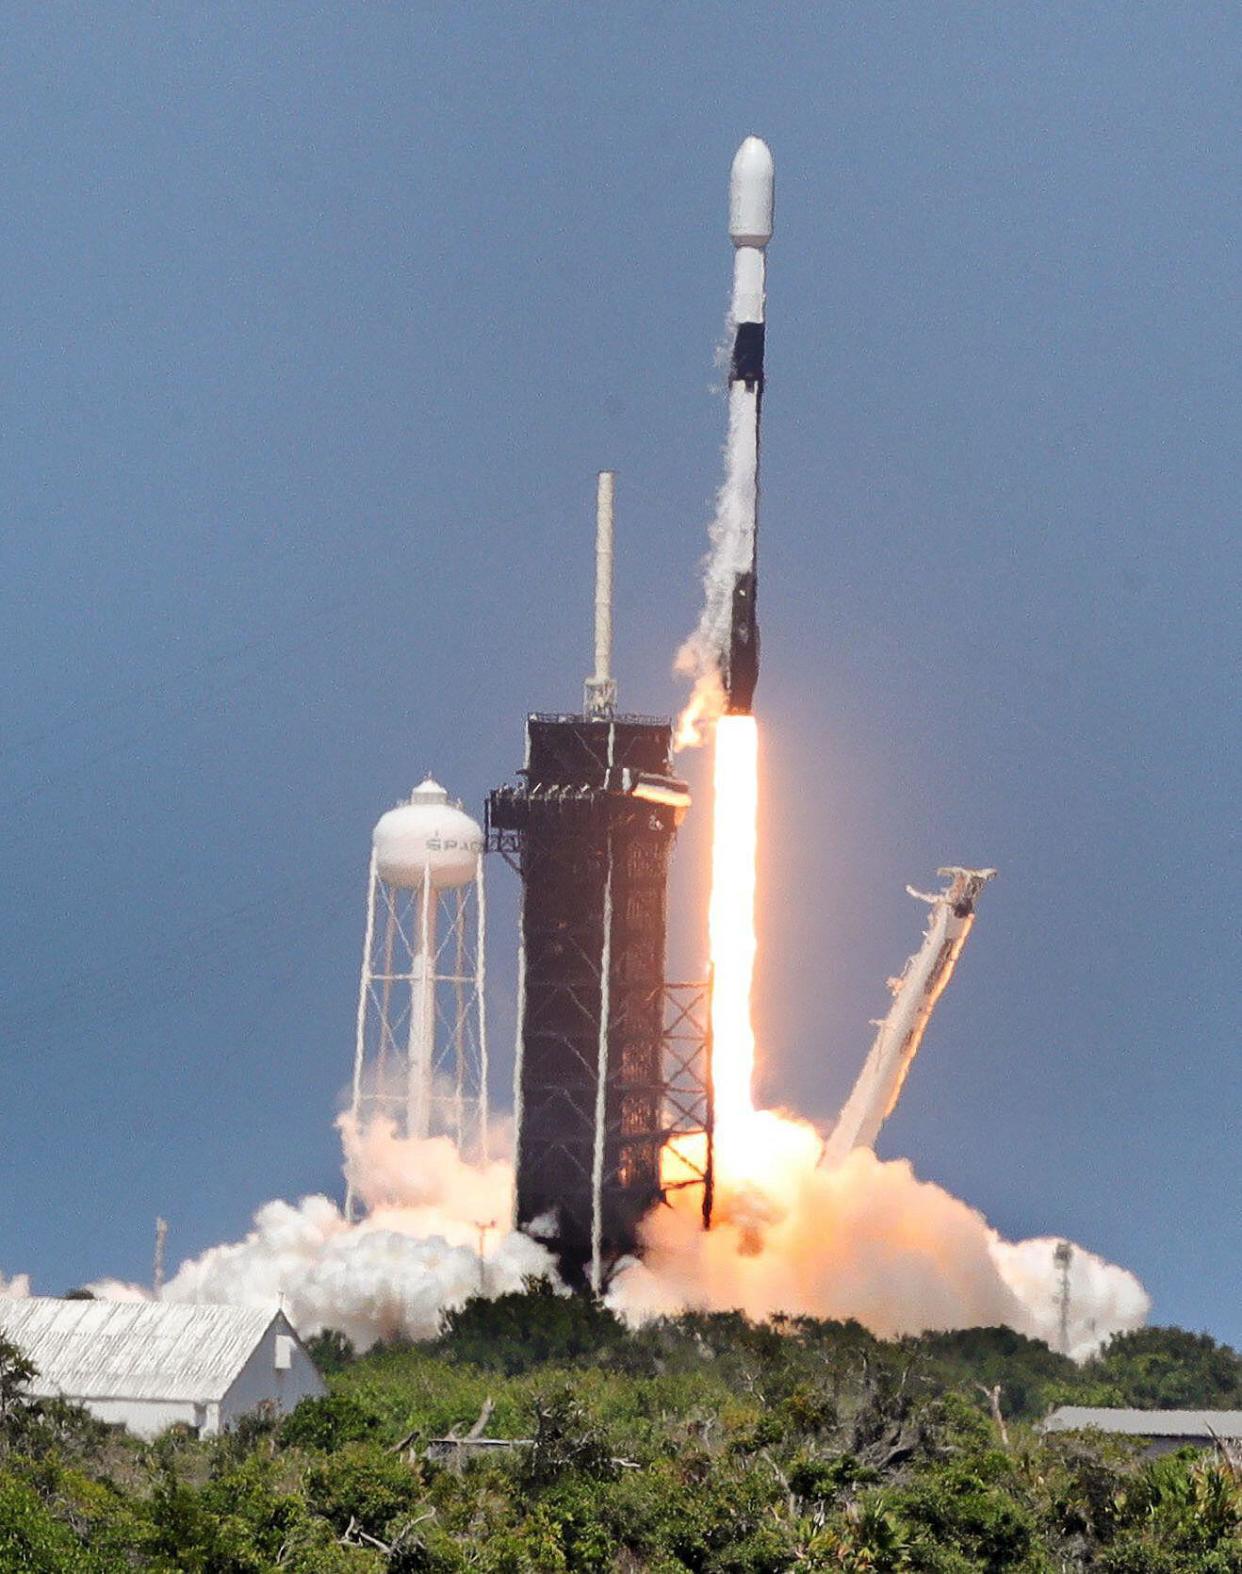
point(621, 1077)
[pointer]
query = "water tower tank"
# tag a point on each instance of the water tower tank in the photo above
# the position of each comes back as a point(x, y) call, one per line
point(429, 833)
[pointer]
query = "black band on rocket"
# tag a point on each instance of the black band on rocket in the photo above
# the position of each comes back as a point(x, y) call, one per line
point(748, 355)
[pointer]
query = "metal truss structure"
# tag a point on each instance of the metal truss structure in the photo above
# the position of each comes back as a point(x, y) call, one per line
point(689, 1104)
point(420, 1056)
point(590, 830)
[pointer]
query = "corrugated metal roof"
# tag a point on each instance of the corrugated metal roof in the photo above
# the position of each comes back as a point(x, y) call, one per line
point(1147, 1423)
point(133, 1349)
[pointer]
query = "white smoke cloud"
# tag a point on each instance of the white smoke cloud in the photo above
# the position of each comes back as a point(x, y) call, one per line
point(867, 1239)
point(436, 1232)
point(118, 1290)
point(15, 1289)
point(1103, 1299)
point(393, 1273)
point(730, 554)
point(427, 1180)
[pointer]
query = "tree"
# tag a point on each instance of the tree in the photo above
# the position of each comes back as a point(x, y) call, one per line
point(533, 1327)
point(1168, 1368)
point(16, 1375)
point(32, 1538)
point(331, 1351)
point(564, 1442)
point(328, 1423)
point(363, 1486)
point(705, 1442)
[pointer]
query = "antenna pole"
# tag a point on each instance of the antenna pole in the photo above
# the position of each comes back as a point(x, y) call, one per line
point(1063, 1256)
point(601, 687)
point(157, 1267)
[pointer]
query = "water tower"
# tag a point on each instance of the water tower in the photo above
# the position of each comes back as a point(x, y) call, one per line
point(421, 1053)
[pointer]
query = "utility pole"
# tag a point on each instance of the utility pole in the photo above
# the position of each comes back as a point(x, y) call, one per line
point(157, 1267)
point(483, 1229)
point(1063, 1256)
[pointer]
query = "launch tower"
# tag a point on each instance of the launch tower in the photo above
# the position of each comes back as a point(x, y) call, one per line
point(603, 1078)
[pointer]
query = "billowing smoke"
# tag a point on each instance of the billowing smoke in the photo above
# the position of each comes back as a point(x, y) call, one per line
point(373, 1280)
point(866, 1239)
point(1103, 1299)
point(436, 1231)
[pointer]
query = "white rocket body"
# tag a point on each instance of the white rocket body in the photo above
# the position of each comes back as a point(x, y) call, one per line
point(752, 196)
point(752, 189)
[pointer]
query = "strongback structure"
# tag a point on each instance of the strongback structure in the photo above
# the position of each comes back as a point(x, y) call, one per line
point(611, 1061)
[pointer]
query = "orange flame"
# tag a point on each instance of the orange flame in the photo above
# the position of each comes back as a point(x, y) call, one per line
point(706, 705)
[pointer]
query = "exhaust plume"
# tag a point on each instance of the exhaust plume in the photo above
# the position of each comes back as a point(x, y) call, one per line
point(826, 1229)
point(436, 1232)
point(868, 1240)
point(731, 912)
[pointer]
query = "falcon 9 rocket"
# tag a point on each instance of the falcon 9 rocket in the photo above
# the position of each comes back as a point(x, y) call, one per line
point(751, 194)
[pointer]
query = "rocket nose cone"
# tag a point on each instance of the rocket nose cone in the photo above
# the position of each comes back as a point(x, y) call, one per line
point(752, 188)
point(754, 156)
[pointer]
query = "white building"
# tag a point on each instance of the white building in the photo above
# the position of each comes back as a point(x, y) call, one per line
point(152, 1364)
point(1161, 1430)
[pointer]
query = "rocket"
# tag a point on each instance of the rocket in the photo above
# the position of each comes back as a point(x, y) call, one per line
point(751, 196)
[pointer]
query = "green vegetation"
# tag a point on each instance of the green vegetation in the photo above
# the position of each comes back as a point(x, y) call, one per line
point(703, 1443)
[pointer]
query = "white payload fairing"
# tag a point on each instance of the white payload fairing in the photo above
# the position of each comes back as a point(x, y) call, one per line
point(921, 984)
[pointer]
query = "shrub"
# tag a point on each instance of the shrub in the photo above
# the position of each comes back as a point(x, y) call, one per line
point(331, 1351)
point(563, 1441)
point(31, 1537)
point(364, 1484)
point(534, 1327)
point(327, 1423)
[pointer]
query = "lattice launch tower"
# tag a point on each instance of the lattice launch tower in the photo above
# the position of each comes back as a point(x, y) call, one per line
point(598, 1090)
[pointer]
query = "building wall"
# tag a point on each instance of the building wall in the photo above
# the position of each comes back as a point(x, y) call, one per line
point(147, 1418)
point(261, 1382)
point(1155, 1446)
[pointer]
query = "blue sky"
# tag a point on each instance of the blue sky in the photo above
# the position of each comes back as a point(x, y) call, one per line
point(318, 321)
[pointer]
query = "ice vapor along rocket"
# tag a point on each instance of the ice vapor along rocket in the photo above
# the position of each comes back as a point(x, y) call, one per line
point(751, 195)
